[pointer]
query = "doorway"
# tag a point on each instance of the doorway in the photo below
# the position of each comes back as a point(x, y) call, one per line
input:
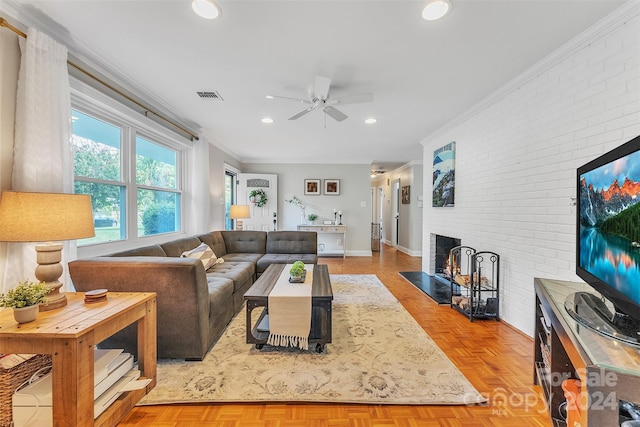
point(395, 212)
point(264, 213)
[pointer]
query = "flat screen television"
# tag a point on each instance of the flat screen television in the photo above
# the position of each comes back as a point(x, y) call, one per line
point(608, 244)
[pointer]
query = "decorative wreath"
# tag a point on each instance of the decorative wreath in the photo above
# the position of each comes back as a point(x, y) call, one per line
point(258, 198)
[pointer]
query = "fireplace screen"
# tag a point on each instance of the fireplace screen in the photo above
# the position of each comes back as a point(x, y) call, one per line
point(443, 245)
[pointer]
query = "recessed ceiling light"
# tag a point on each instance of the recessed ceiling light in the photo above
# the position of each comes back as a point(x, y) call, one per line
point(207, 9)
point(267, 120)
point(370, 121)
point(269, 96)
point(436, 9)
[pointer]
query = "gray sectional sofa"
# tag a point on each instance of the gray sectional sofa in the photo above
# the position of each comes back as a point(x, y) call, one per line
point(194, 305)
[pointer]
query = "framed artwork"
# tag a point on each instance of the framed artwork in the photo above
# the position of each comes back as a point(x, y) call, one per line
point(312, 187)
point(406, 196)
point(444, 176)
point(331, 187)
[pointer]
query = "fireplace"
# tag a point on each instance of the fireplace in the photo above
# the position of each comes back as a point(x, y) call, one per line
point(440, 247)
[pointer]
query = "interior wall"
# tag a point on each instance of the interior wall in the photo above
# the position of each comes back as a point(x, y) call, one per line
point(410, 227)
point(9, 66)
point(354, 200)
point(217, 160)
point(517, 155)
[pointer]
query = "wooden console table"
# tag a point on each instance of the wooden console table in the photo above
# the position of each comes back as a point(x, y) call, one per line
point(70, 334)
point(332, 238)
point(609, 370)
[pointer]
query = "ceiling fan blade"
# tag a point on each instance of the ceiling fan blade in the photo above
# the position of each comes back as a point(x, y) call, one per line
point(303, 112)
point(360, 98)
point(322, 87)
point(335, 113)
point(302, 101)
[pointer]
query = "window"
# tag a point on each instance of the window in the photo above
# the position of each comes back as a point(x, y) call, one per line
point(97, 166)
point(133, 178)
point(158, 202)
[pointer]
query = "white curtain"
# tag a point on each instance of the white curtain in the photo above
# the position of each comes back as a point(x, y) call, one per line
point(42, 159)
point(200, 201)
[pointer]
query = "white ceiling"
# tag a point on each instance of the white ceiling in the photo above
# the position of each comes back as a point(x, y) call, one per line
point(423, 74)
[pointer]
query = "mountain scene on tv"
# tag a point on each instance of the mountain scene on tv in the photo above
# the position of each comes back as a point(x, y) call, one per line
point(610, 224)
point(612, 206)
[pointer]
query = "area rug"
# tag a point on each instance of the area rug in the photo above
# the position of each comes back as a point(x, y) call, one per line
point(378, 355)
point(437, 290)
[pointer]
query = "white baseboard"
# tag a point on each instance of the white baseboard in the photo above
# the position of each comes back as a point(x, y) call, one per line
point(409, 251)
point(402, 249)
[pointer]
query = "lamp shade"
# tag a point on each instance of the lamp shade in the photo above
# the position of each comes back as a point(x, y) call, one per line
point(239, 212)
point(44, 217)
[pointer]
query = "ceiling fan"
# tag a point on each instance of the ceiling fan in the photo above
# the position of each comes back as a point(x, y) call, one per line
point(320, 98)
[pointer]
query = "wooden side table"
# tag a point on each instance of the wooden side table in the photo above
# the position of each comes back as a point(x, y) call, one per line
point(70, 334)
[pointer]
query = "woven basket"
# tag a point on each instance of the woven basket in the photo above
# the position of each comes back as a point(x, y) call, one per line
point(12, 378)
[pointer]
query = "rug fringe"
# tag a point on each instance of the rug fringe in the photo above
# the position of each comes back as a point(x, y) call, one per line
point(288, 341)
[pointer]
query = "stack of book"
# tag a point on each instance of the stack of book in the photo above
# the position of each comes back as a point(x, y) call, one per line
point(114, 373)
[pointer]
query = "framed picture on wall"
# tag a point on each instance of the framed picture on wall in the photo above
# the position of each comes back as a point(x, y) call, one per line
point(332, 187)
point(312, 187)
point(406, 197)
point(444, 183)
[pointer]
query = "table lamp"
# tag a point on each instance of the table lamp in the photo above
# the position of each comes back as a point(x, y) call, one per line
point(239, 212)
point(46, 217)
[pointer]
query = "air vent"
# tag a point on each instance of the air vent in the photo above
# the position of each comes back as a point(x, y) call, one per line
point(210, 95)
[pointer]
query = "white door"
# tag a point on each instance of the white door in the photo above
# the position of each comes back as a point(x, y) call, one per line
point(264, 215)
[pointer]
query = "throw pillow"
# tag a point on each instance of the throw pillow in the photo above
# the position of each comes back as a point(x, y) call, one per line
point(204, 253)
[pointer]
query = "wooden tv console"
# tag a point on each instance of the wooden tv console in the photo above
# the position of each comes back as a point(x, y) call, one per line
point(564, 349)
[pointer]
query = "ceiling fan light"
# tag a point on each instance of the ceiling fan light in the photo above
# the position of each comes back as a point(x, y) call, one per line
point(207, 9)
point(436, 9)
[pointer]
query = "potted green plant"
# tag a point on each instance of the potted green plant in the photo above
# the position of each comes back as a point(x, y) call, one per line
point(296, 273)
point(312, 218)
point(24, 300)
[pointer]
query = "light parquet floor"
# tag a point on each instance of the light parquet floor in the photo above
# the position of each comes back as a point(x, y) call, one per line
point(497, 359)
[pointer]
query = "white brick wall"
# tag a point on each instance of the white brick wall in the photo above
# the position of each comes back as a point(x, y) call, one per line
point(517, 154)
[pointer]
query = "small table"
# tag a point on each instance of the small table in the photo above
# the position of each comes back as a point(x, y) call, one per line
point(321, 297)
point(70, 334)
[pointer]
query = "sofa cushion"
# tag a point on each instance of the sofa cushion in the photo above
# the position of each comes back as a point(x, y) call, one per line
point(204, 253)
point(243, 257)
point(269, 259)
point(215, 241)
point(175, 248)
point(239, 272)
point(245, 241)
point(292, 242)
point(220, 294)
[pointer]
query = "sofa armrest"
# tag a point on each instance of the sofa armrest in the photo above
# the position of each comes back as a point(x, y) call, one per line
point(180, 285)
